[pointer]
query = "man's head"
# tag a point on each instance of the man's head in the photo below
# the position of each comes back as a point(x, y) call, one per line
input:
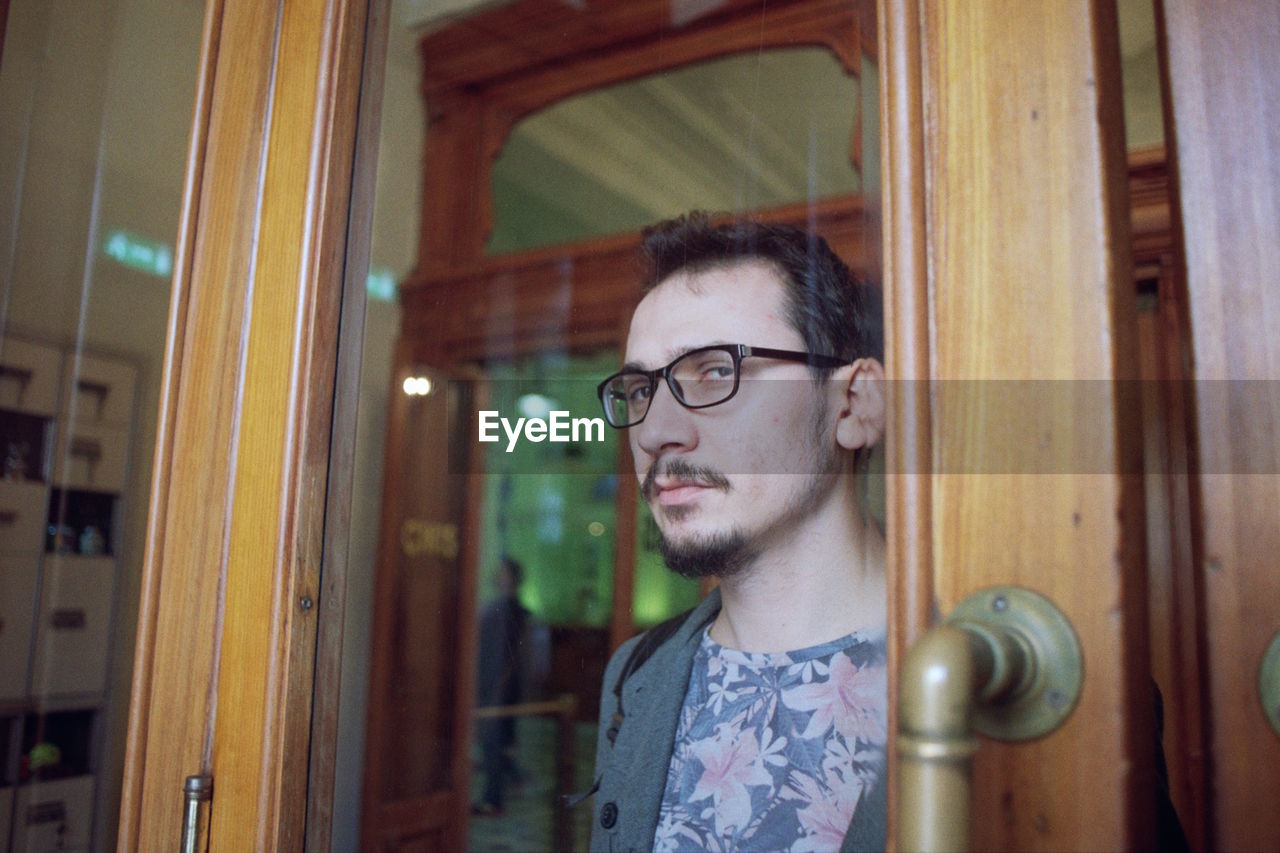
point(510, 575)
point(832, 311)
point(732, 469)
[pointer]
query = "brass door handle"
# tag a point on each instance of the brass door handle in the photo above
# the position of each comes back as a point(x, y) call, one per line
point(1006, 664)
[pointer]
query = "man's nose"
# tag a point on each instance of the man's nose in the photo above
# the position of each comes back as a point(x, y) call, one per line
point(666, 426)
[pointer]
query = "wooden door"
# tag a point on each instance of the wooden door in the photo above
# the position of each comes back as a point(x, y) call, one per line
point(417, 768)
point(1222, 73)
point(1015, 455)
point(227, 628)
point(1007, 262)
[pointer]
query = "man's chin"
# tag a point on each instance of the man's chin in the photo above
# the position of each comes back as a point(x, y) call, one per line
point(719, 555)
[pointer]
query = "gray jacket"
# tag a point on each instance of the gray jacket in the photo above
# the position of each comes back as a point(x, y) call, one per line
point(631, 771)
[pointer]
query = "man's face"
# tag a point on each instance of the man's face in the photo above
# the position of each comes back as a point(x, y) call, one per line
point(725, 483)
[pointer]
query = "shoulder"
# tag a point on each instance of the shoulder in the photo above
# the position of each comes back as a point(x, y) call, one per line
point(630, 658)
point(619, 660)
point(677, 631)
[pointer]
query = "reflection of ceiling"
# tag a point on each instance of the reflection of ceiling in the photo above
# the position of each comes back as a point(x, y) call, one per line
point(736, 134)
point(750, 131)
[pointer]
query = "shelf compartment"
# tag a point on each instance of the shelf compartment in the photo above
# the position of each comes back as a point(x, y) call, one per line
point(73, 628)
point(55, 815)
point(17, 615)
point(23, 516)
point(92, 458)
point(28, 376)
point(99, 390)
point(24, 445)
point(72, 513)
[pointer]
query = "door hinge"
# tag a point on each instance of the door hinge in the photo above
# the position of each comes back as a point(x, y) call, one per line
point(197, 794)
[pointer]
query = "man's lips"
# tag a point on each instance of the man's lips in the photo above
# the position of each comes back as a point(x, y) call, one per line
point(672, 494)
point(678, 481)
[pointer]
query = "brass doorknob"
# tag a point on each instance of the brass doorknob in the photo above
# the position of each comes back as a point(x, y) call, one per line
point(1006, 663)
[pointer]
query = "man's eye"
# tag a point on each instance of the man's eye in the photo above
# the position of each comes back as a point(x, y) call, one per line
point(638, 393)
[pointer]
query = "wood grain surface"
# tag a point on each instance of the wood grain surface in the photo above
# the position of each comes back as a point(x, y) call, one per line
point(1021, 273)
point(1223, 70)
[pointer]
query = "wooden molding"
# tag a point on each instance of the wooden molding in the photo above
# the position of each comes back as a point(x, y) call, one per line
point(907, 346)
point(570, 296)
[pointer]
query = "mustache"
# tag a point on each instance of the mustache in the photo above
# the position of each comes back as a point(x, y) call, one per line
point(679, 469)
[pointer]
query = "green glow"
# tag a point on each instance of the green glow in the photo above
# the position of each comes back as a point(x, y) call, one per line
point(381, 284)
point(139, 253)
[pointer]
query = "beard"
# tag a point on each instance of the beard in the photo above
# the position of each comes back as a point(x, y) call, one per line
point(721, 555)
point(725, 554)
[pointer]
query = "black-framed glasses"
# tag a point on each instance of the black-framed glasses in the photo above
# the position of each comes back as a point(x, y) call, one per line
point(707, 376)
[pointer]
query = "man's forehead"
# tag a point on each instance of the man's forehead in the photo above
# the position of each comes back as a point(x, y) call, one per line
point(731, 303)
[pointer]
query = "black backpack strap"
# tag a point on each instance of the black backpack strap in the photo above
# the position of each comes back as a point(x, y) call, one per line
point(641, 652)
point(649, 643)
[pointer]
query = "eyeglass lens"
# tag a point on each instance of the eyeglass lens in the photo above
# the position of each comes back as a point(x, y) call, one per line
point(700, 378)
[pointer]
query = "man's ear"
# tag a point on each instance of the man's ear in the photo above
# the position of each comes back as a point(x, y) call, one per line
point(860, 422)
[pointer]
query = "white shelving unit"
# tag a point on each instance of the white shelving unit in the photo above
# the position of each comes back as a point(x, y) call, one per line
point(65, 425)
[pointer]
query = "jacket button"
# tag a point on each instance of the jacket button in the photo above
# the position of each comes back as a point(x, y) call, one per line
point(609, 815)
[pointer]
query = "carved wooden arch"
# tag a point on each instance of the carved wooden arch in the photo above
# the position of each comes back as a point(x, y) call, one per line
point(485, 73)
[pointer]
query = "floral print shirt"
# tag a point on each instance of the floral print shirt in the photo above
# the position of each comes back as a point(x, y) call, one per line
point(773, 751)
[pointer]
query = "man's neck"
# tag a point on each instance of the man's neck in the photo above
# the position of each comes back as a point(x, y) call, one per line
point(825, 580)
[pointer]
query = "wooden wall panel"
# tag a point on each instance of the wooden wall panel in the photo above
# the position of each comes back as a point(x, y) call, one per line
point(1008, 252)
point(1223, 70)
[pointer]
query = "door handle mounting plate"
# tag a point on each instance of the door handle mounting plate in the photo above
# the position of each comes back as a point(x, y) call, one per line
point(1050, 686)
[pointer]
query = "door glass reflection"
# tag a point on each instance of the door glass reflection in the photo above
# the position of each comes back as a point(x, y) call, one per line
point(488, 581)
point(96, 102)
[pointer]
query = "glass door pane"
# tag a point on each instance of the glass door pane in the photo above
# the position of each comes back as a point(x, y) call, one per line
point(96, 100)
point(519, 319)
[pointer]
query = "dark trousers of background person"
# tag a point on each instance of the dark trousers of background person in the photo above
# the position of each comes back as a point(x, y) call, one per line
point(497, 739)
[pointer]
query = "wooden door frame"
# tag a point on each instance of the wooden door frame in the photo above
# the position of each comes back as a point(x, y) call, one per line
point(980, 222)
point(231, 590)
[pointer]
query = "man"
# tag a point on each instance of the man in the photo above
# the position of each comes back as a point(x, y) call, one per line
point(752, 385)
point(502, 630)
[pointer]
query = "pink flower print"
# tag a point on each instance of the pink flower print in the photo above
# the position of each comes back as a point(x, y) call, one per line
point(852, 700)
point(837, 760)
point(730, 764)
point(674, 833)
point(842, 766)
point(825, 814)
point(825, 822)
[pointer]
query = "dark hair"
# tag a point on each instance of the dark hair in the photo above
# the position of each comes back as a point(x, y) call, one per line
point(833, 311)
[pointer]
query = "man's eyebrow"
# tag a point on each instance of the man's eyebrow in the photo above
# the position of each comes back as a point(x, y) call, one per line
point(672, 355)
